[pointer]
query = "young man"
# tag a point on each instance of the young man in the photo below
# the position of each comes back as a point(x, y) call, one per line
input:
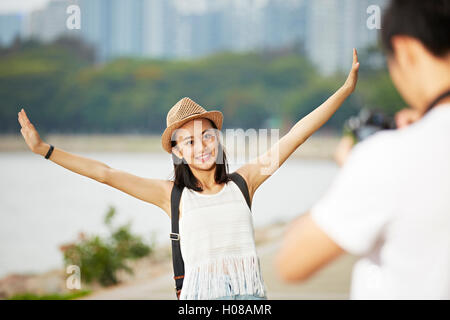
point(390, 203)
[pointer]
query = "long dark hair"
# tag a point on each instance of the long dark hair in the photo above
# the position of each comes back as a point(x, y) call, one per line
point(183, 176)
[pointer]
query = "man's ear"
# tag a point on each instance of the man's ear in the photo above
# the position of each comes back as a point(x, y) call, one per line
point(406, 50)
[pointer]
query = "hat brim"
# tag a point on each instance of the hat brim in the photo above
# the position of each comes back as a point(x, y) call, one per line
point(214, 115)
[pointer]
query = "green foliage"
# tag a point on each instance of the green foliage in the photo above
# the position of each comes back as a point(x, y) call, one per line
point(53, 296)
point(64, 91)
point(379, 93)
point(100, 258)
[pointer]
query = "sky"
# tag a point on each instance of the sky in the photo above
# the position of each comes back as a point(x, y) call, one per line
point(20, 6)
point(26, 6)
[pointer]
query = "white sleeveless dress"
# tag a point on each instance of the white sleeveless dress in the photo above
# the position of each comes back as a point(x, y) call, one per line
point(218, 246)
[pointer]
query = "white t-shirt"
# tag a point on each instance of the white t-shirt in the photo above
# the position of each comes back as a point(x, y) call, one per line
point(390, 204)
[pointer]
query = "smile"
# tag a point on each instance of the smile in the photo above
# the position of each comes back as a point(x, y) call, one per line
point(204, 157)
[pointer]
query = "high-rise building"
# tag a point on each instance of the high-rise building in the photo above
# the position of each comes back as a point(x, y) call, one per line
point(334, 28)
point(96, 25)
point(49, 23)
point(126, 27)
point(244, 23)
point(158, 28)
point(326, 29)
point(10, 28)
point(284, 23)
point(199, 34)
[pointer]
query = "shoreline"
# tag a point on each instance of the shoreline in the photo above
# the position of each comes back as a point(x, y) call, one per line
point(318, 146)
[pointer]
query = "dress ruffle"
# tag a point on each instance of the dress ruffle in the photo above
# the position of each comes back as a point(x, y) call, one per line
point(223, 276)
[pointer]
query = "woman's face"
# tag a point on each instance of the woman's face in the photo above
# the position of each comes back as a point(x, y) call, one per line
point(197, 142)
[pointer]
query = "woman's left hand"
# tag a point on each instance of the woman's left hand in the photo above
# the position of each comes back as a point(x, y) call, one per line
point(352, 78)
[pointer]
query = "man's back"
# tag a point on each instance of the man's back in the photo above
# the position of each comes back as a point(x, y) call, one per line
point(399, 217)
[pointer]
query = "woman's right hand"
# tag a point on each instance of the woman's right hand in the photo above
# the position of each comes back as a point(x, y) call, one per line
point(154, 191)
point(29, 132)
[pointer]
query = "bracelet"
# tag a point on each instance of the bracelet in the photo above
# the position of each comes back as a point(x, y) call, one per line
point(49, 152)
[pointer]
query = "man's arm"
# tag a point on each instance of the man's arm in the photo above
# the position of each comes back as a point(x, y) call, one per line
point(306, 249)
point(352, 214)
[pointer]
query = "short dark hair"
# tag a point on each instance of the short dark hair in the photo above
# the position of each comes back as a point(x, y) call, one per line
point(426, 20)
point(183, 176)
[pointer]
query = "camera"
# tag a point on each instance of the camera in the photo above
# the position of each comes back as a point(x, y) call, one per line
point(368, 122)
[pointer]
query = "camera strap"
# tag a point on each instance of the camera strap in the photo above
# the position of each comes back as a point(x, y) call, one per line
point(437, 100)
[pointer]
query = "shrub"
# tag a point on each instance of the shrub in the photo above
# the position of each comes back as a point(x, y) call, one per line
point(100, 258)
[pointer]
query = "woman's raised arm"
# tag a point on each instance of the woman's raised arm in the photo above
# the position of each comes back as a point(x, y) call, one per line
point(258, 170)
point(154, 191)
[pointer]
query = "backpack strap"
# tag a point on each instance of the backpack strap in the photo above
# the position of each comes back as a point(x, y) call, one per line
point(177, 259)
point(240, 181)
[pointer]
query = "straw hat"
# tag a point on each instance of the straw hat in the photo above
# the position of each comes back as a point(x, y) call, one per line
point(183, 111)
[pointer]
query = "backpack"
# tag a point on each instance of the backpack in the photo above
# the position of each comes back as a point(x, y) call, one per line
point(177, 259)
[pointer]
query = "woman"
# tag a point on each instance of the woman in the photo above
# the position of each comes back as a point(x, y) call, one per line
point(216, 230)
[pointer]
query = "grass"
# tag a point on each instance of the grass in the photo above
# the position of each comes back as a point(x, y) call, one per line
point(53, 296)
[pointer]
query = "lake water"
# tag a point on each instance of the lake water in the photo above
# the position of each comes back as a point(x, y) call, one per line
point(43, 205)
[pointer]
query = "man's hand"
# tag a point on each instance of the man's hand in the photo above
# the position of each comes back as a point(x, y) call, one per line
point(343, 149)
point(406, 116)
